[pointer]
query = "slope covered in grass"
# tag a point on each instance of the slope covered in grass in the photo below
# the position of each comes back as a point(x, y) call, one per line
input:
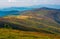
point(18, 34)
point(40, 23)
point(36, 21)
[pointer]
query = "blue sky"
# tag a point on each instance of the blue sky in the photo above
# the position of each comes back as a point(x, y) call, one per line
point(9, 3)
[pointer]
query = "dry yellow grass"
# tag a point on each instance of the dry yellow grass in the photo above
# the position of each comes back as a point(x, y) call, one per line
point(18, 34)
point(22, 17)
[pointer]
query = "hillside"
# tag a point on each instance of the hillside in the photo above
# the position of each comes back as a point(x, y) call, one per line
point(18, 34)
point(45, 21)
point(37, 19)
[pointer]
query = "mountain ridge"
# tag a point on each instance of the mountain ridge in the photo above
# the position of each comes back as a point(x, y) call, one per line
point(39, 19)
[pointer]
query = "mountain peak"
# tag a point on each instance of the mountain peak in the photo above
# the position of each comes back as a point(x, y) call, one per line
point(46, 8)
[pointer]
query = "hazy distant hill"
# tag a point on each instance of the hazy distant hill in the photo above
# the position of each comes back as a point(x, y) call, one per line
point(13, 10)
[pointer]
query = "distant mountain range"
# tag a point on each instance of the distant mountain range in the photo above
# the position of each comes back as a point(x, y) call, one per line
point(18, 10)
point(13, 10)
point(53, 13)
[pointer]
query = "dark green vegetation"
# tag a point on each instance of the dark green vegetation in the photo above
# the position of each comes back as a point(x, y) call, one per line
point(43, 20)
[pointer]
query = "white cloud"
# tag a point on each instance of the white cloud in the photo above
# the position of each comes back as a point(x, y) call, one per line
point(4, 3)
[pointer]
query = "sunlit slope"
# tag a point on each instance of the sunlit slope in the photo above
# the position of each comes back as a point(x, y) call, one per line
point(45, 19)
point(35, 22)
point(18, 34)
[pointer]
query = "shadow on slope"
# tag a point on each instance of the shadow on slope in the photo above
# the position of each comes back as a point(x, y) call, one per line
point(20, 27)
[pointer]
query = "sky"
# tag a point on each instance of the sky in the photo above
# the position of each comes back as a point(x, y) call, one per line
point(22, 3)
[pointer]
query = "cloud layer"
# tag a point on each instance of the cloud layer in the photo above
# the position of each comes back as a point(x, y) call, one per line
point(28, 2)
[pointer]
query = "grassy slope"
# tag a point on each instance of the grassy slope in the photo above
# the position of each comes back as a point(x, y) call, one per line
point(16, 34)
point(31, 19)
point(37, 21)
